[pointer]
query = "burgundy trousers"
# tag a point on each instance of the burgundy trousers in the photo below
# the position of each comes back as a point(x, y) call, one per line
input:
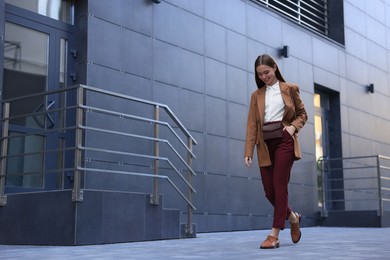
point(275, 177)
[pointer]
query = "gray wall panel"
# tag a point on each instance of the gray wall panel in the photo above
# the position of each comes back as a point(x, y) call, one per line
point(376, 55)
point(254, 17)
point(326, 78)
point(239, 192)
point(376, 30)
point(216, 116)
point(192, 71)
point(227, 13)
point(325, 56)
point(196, 7)
point(216, 151)
point(166, 94)
point(165, 23)
point(381, 80)
point(236, 160)
point(236, 49)
point(166, 63)
point(136, 86)
point(254, 49)
point(215, 41)
point(236, 83)
point(136, 53)
point(191, 110)
point(104, 43)
point(217, 191)
point(237, 121)
point(215, 78)
point(199, 164)
point(299, 43)
point(192, 32)
point(357, 70)
point(135, 14)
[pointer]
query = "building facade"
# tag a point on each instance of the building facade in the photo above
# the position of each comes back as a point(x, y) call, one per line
point(196, 57)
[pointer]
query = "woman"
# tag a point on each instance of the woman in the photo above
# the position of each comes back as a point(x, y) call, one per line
point(276, 115)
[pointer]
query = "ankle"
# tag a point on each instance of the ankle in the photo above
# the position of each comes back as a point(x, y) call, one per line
point(275, 232)
point(293, 218)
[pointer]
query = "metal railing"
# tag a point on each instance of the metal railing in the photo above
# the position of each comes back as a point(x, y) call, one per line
point(354, 183)
point(80, 119)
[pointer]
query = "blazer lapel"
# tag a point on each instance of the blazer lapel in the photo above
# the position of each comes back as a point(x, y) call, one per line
point(261, 104)
point(284, 90)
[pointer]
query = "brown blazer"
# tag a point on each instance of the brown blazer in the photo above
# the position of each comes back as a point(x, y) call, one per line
point(294, 114)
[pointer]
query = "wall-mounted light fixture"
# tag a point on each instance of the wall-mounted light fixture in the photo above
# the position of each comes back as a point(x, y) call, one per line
point(370, 88)
point(156, 1)
point(284, 51)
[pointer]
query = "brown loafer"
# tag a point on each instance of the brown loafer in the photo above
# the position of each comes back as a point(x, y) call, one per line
point(270, 243)
point(295, 230)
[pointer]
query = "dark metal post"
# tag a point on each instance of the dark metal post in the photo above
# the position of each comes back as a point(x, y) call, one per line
point(77, 194)
point(189, 229)
point(380, 212)
point(154, 197)
point(4, 150)
point(324, 201)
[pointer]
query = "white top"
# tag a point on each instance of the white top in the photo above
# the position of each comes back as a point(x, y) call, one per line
point(274, 105)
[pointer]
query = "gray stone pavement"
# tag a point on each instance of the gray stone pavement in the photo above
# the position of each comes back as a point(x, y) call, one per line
point(316, 243)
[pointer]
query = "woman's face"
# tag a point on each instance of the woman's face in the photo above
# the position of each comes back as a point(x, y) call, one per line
point(267, 74)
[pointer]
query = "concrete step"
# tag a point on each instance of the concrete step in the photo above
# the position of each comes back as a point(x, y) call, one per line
point(51, 218)
point(367, 218)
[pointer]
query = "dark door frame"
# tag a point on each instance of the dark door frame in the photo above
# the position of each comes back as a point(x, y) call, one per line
point(331, 118)
point(56, 30)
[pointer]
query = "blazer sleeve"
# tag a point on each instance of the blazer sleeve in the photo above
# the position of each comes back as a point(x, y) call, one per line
point(300, 111)
point(251, 127)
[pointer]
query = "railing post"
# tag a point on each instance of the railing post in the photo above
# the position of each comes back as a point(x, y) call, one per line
point(77, 194)
point(189, 230)
point(4, 150)
point(380, 212)
point(154, 200)
point(324, 201)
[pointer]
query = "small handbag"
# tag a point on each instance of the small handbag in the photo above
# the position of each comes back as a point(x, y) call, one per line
point(272, 130)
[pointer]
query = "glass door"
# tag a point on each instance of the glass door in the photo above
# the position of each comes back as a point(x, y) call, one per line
point(327, 125)
point(36, 59)
point(321, 137)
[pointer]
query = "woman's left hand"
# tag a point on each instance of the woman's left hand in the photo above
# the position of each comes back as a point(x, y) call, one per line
point(290, 129)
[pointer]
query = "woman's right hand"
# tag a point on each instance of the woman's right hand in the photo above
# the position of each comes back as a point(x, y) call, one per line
point(248, 161)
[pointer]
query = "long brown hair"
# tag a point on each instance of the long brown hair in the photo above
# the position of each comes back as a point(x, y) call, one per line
point(266, 59)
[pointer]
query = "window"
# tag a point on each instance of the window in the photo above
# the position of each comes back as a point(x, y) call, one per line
point(321, 16)
point(61, 10)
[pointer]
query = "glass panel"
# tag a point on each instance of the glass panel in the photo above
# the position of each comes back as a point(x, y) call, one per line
point(25, 161)
point(61, 10)
point(317, 100)
point(319, 152)
point(318, 135)
point(63, 61)
point(62, 79)
point(25, 72)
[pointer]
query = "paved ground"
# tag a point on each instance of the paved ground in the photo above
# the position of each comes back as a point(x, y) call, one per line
point(316, 243)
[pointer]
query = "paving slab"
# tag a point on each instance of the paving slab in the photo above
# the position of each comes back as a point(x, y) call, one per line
point(316, 243)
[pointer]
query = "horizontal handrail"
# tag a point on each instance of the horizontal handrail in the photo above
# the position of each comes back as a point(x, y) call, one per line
point(141, 137)
point(144, 175)
point(124, 115)
point(139, 100)
point(142, 156)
